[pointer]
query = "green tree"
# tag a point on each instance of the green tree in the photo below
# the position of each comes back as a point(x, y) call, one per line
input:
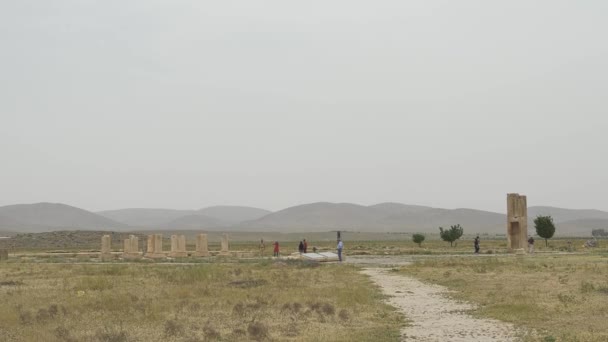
point(452, 234)
point(544, 227)
point(418, 238)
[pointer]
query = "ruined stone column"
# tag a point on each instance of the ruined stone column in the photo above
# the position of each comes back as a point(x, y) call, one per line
point(155, 246)
point(225, 245)
point(178, 246)
point(150, 245)
point(517, 222)
point(202, 246)
point(106, 247)
point(131, 248)
point(126, 249)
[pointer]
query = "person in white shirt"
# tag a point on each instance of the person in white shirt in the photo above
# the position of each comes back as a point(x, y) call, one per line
point(340, 247)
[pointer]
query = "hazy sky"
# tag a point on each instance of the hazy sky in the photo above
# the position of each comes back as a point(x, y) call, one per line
point(185, 104)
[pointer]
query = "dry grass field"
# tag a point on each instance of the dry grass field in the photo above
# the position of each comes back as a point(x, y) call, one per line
point(561, 297)
point(274, 301)
point(561, 293)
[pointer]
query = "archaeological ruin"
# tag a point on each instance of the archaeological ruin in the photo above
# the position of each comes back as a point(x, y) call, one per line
point(178, 246)
point(154, 248)
point(225, 246)
point(106, 247)
point(517, 222)
point(131, 248)
point(202, 246)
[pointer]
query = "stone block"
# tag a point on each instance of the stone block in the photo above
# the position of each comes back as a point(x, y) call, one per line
point(178, 246)
point(155, 247)
point(106, 247)
point(131, 248)
point(225, 250)
point(202, 246)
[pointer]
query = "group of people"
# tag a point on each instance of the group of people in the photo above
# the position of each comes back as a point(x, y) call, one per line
point(302, 248)
point(530, 245)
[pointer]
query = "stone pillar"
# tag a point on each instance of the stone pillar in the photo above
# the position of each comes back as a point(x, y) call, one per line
point(155, 246)
point(106, 247)
point(225, 245)
point(131, 248)
point(202, 246)
point(3, 254)
point(127, 246)
point(158, 244)
point(517, 222)
point(178, 246)
point(173, 244)
point(150, 245)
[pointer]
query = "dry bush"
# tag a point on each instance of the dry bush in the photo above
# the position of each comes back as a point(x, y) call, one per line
point(210, 332)
point(343, 314)
point(258, 331)
point(328, 309)
point(174, 328)
point(42, 315)
point(25, 317)
point(63, 334)
point(108, 334)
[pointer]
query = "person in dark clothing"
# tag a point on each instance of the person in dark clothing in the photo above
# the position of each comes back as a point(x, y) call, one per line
point(301, 247)
point(477, 245)
point(531, 245)
point(305, 246)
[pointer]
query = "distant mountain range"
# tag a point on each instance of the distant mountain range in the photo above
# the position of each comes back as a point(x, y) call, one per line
point(314, 217)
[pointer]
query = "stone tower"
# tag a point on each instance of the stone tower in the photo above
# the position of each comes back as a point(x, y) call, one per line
point(517, 221)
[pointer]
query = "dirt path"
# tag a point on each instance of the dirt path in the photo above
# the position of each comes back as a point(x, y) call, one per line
point(433, 316)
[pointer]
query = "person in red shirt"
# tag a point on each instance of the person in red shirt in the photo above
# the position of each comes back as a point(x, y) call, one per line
point(276, 248)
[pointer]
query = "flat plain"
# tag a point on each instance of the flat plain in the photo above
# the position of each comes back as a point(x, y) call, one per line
point(61, 294)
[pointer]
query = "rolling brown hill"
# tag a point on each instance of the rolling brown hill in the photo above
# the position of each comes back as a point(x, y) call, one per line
point(40, 217)
point(381, 217)
point(217, 216)
point(313, 217)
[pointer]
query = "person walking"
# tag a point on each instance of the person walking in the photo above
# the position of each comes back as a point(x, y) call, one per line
point(477, 245)
point(276, 248)
point(340, 247)
point(301, 247)
point(305, 246)
point(531, 245)
point(262, 247)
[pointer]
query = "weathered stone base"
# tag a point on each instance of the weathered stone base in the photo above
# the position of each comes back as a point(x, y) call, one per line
point(520, 251)
point(156, 255)
point(131, 256)
point(200, 254)
point(106, 256)
point(178, 254)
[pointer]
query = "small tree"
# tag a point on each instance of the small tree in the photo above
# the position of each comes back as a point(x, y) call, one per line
point(452, 234)
point(418, 238)
point(544, 227)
